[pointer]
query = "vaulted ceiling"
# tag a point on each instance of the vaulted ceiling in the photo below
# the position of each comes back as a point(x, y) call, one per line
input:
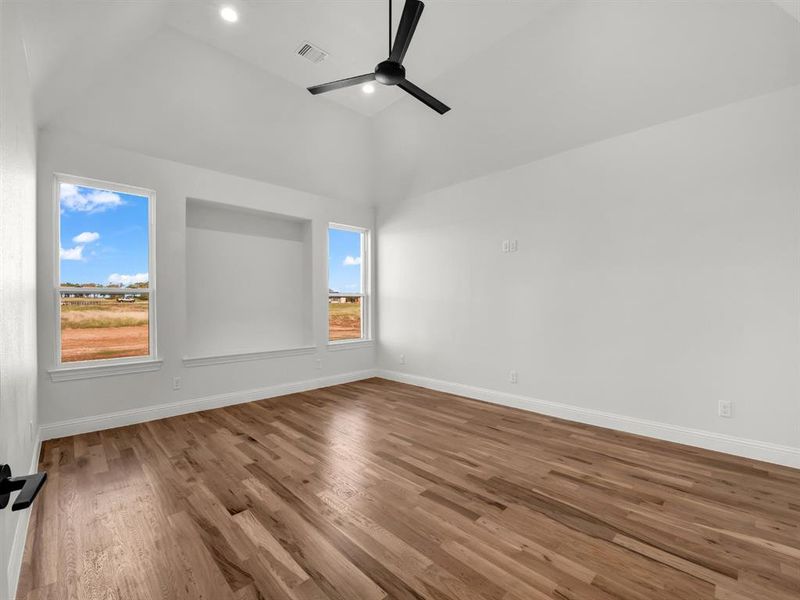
point(525, 79)
point(74, 40)
point(355, 34)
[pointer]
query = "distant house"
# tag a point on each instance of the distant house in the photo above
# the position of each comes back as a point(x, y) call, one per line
point(334, 298)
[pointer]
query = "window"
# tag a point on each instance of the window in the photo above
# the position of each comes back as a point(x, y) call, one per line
point(105, 288)
point(348, 289)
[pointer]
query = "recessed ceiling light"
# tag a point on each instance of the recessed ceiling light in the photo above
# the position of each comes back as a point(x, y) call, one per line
point(229, 14)
point(368, 88)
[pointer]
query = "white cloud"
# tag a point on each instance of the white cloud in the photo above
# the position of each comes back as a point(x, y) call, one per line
point(87, 237)
point(87, 200)
point(351, 262)
point(117, 279)
point(75, 253)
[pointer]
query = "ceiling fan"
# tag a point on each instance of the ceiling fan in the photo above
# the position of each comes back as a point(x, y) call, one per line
point(392, 71)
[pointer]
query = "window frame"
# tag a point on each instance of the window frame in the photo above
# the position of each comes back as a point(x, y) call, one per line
point(105, 363)
point(365, 294)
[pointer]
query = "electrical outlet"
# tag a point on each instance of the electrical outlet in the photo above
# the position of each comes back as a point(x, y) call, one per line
point(512, 246)
point(726, 409)
point(402, 359)
point(176, 383)
point(318, 363)
point(506, 245)
point(512, 377)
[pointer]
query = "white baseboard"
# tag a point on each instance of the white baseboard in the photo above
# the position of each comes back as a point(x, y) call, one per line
point(171, 409)
point(21, 533)
point(783, 455)
point(755, 449)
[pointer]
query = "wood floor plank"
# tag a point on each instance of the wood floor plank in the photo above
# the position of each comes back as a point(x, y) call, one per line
point(376, 490)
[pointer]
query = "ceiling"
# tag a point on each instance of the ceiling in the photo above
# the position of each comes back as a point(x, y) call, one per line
point(355, 34)
point(526, 79)
point(592, 71)
point(70, 42)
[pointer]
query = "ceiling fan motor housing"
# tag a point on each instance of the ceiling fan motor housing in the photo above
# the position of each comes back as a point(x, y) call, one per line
point(390, 73)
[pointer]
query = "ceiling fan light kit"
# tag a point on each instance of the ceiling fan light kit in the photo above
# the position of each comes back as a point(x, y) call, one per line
point(391, 71)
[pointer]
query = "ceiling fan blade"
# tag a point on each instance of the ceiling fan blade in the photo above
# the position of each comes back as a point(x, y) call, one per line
point(424, 97)
point(341, 83)
point(412, 11)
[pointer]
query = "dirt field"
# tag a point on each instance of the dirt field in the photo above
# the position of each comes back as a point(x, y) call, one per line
point(103, 329)
point(344, 321)
point(111, 329)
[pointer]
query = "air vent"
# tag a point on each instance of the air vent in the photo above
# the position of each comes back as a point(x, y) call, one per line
point(312, 53)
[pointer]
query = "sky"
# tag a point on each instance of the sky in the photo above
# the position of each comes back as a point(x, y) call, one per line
point(344, 261)
point(103, 236)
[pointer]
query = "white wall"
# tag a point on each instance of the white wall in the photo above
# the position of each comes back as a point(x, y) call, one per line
point(174, 183)
point(248, 280)
point(657, 274)
point(18, 418)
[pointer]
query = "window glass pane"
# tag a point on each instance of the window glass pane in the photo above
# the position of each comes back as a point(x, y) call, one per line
point(104, 237)
point(101, 326)
point(344, 261)
point(344, 318)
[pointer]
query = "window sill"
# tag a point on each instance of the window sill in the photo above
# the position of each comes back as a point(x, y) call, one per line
point(219, 359)
point(93, 371)
point(349, 345)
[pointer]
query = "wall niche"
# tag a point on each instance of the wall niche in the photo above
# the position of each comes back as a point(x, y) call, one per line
point(248, 280)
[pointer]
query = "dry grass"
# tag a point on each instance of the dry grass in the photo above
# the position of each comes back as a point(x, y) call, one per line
point(103, 329)
point(108, 313)
point(344, 321)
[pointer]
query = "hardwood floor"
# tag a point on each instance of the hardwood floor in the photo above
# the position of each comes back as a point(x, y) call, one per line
point(380, 490)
